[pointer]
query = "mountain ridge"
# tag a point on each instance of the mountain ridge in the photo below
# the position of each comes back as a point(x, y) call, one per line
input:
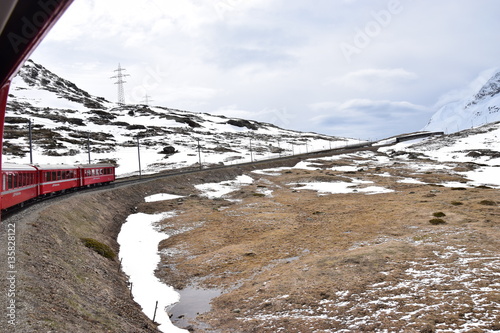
point(67, 119)
point(482, 107)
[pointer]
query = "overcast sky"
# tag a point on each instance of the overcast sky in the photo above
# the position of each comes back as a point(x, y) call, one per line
point(358, 68)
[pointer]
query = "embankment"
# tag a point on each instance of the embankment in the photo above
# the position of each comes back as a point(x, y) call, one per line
point(63, 286)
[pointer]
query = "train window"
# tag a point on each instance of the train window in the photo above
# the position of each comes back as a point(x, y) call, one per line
point(4, 183)
point(54, 175)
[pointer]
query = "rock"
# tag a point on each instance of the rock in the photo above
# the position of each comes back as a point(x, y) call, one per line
point(168, 150)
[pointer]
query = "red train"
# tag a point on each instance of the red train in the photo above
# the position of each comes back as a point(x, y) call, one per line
point(21, 183)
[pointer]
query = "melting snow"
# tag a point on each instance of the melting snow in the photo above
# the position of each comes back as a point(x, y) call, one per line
point(161, 197)
point(342, 187)
point(219, 190)
point(138, 241)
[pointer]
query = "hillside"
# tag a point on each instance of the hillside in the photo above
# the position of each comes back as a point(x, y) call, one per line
point(471, 111)
point(66, 118)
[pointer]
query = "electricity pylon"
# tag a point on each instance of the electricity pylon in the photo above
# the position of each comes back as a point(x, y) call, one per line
point(119, 81)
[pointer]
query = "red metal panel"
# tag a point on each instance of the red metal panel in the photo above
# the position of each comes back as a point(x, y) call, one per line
point(28, 22)
point(16, 196)
point(57, 182)
point(56, 186)
point(95, 175)
point(18, 184)
point(23, 26)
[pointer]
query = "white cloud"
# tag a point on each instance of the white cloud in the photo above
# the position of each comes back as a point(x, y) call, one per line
point(396, 74)
point(468, 91)
point(280, 55)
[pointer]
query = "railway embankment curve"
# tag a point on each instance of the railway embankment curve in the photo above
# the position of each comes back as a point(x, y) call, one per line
point(59, 284)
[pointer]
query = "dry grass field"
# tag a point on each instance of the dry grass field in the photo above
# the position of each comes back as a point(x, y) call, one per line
point(396, 251)
point(421, 258)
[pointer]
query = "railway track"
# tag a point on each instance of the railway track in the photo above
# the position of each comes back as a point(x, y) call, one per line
point(185, 171)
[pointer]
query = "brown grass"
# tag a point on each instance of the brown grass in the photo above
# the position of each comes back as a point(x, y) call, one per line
point(288, 261)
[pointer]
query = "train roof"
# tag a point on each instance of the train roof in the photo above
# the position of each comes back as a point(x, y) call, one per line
point(55, 167)
point(17, 167)
point(100, 165)
point(26, 167)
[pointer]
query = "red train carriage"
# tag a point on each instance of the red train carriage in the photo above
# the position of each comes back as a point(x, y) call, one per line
point(19, 184)
point(96, 174)
point(22, 183)
point(56, 178)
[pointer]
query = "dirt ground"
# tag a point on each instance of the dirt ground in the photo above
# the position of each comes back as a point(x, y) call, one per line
point(293, 260)
point(285, 258)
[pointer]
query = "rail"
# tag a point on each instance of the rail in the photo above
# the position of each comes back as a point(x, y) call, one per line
point(185, 171)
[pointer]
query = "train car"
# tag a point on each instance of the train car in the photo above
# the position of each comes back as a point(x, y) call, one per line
point(57, 178)
point(19, 184)
point(92, 174)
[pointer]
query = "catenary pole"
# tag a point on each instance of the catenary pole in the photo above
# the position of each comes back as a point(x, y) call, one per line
point(31, 140)
point(88, 145)
point(139, 156)
point(199, 153)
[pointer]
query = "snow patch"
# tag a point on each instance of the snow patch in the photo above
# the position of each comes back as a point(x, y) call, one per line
point(139, 239)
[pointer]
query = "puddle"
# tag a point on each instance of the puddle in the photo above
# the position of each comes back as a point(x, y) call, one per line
point(193, 301)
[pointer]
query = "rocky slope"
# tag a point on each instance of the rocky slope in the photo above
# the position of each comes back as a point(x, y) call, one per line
point(67, 120)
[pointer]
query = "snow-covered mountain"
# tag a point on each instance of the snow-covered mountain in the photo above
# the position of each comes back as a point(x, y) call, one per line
point(67, 118)
point(471, 111)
